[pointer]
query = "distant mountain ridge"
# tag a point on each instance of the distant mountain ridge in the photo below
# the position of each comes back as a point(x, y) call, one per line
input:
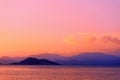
point(35, 61)
point(7, 60)
point(52, 57)
point(97, 59)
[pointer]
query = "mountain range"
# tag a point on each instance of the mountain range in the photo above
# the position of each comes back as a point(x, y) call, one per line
point(93, 59)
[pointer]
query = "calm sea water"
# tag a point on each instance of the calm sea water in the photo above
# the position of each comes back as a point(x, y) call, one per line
point(58, 73)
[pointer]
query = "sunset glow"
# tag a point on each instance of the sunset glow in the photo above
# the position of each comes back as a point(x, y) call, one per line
point(65, 27)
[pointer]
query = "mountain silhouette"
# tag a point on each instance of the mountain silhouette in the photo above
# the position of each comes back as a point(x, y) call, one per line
point(94, 59)
point(35, 61)
point(52, 57)
point(49, 56)
point(8, 60)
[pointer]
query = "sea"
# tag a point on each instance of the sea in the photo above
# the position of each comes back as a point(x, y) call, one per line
point(58, 73)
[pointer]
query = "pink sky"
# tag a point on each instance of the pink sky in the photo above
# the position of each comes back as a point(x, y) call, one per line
point(58, 26)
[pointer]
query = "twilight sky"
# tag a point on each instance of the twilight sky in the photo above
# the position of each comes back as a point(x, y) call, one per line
point(59, 26)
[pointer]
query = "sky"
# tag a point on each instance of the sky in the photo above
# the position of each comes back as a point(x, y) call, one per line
point(65, 27)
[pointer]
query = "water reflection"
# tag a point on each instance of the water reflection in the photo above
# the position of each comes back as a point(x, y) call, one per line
point(58, 73)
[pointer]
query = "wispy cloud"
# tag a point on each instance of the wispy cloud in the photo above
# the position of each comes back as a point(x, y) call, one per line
point(111, 39)
point(93, 43)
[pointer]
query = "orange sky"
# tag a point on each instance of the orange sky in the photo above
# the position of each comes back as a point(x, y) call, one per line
point(66, 27)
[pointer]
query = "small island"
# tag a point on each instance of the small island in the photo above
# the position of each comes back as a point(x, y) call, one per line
point(35, 61)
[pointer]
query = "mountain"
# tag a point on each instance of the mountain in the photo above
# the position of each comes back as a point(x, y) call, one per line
point(7, 60)
point(94, 59)
point(35, 61)
point(52, 57)
point(116, 52)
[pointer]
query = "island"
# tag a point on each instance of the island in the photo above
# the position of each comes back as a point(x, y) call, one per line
point(35, 61)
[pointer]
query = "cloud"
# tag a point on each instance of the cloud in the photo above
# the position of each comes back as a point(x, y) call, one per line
point(78, 39)
point(70, 40)
point(93, 43)
point(111, 39)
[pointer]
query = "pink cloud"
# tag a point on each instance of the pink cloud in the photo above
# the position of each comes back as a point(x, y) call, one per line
point(111, 39)
point(93, 43)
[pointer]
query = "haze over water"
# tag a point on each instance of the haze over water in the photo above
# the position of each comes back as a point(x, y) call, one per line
point(58, 73)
